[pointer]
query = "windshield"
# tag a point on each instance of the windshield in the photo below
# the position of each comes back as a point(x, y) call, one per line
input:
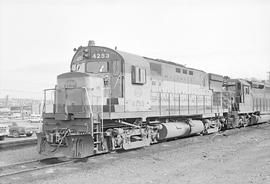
point(97, 67)
point(231, 87)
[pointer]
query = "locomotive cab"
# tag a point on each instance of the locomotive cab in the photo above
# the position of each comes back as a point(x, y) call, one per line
point(104, 62)
point(242, 96)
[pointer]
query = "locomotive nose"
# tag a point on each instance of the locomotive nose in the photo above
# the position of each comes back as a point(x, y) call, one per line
point(72, 80)
point(76, 92)
point(79, 80)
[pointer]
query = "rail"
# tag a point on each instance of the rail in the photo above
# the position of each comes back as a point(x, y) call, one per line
point(30, 166)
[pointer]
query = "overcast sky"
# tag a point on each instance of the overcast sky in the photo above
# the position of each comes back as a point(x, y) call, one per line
point(227, 37)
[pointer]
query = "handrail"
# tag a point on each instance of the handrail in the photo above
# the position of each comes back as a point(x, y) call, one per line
point(192, 103)
point(90, 101)
point(45, 99)
point(66, 89)
point(91, 110)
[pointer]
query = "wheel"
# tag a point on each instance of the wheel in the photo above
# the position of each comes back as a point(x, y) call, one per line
point(15, 133)
point(2, 138)
point(29, 134)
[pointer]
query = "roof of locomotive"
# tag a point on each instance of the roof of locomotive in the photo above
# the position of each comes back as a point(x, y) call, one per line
point(132, 58)
point(136, 59)
point(164, 61)
point(245, 82)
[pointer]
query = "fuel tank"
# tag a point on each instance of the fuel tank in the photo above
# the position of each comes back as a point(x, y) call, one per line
point(180, 129)
point(174, 129)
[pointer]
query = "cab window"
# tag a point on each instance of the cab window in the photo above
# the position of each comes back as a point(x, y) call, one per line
point(247, 90)
point(184, 71)
point(138, 75)
point(97, 67)
point(80, 67)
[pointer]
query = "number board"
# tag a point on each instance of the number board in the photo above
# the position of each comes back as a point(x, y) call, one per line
point(100, 54)
point(95, 53)
point(231, 83)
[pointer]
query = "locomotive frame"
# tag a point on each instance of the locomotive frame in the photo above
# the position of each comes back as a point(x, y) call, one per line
point(116, 100)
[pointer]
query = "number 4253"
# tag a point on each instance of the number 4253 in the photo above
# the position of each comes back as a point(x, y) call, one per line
point(100, 55)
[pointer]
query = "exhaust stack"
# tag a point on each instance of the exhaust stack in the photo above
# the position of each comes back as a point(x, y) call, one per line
point(91, 43)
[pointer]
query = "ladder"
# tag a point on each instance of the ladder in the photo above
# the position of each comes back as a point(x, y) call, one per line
point(98, 133)
point(96, 124)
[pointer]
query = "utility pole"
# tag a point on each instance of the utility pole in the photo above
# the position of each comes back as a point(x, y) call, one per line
point(6, 101)
point(21, 107)
point(268, 77)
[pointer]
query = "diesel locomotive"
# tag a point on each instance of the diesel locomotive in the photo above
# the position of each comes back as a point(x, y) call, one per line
point(113, 100)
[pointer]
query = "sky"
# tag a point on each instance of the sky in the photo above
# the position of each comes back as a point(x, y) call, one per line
point(37, 37)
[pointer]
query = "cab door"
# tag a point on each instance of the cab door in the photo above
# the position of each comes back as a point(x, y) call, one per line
point(116, 78)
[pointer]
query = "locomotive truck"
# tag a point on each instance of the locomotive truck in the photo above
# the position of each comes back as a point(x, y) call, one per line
point(113, 100)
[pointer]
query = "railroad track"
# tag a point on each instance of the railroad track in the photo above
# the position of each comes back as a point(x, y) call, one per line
point(32, 165)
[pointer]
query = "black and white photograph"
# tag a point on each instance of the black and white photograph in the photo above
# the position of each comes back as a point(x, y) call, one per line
point(134, 92)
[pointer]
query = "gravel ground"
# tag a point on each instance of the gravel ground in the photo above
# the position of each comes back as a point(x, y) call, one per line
point(20, 154)
point(236, 156)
